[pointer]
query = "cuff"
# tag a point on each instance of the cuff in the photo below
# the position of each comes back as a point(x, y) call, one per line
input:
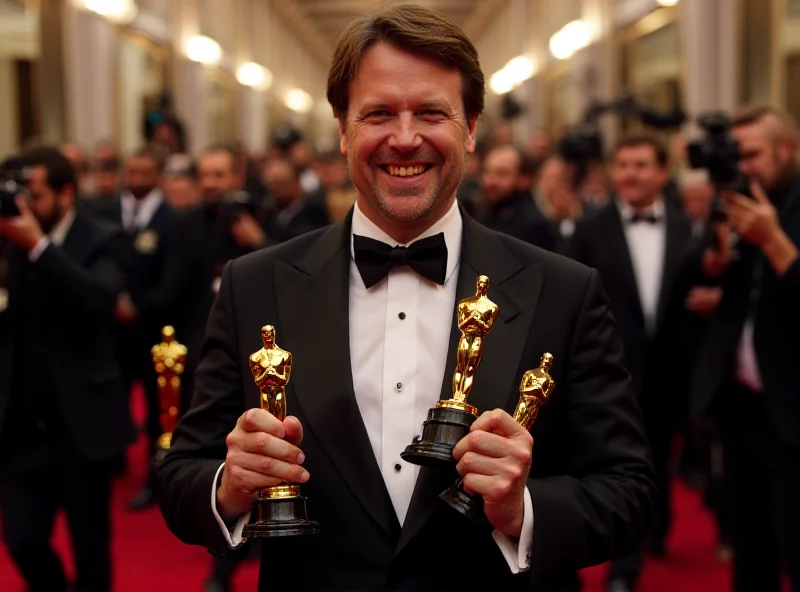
point(233, 536)
point(38, 249)
point(517, 553)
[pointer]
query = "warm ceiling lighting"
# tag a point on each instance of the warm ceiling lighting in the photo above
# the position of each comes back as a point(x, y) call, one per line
point(118, 11)
point(514, 73)
point(204, 50)
point(298, 100)
point(667, 2)
point(255, 75)
point(571, 38)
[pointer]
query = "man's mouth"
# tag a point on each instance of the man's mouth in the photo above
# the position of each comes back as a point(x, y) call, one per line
point(406, 171)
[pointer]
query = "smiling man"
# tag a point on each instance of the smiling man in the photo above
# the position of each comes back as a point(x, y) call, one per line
point(374, 348)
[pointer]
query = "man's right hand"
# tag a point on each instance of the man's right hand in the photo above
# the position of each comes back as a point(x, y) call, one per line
point(262, 452)
point(716, 260)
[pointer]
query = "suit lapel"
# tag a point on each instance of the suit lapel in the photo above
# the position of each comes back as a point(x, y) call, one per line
point(675, 245)
point(313, 311)
point(515, 289)
point(620, 254)
point(79, 242)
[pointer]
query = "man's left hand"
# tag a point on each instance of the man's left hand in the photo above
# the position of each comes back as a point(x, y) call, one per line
point(23, 230)
point(493, 461)
point(247, 232)
point(756, 219)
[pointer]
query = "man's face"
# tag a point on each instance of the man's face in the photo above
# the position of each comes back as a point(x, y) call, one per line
point(763, 156)
point(105, 182)
point(637, 176)
point(48, 206)
point(181, 192)
point(501, 174)
point(141, 175)
point(282, 182)
point(217, 175)
point(406, 138)
point(697, 199)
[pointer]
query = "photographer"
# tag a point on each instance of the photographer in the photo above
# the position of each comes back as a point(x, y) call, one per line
point(748, 371)
point(64, 417)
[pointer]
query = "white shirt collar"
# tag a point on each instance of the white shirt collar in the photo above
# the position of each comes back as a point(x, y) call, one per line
point(450, 224)
point(627, 211)
point(59, 232)
point(147, 206)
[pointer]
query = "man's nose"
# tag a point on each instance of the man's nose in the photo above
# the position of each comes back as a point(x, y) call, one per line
point(405, 136)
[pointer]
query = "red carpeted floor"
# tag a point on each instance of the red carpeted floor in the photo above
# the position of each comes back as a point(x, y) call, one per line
point(147, 557)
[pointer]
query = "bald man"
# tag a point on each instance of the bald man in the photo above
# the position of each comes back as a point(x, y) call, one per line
point(748, 371)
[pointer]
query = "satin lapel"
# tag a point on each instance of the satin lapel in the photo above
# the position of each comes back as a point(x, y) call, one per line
point(313, 311)
point(620, 254)
point(515, 289)
point(676, 242)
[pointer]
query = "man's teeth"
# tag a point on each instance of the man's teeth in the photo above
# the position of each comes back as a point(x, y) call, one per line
point(406, 171)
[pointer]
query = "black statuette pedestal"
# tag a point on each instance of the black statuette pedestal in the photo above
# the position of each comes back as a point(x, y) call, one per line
point(443, 429)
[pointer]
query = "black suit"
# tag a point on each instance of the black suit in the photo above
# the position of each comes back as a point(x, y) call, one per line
point(518, 216)
point(761, 431)
point(307, 215)
point(63, 409)
point(144, 270)
point(656, 358)
point(591, 480)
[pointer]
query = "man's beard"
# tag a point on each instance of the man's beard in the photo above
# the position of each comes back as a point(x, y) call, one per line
point(49, 221)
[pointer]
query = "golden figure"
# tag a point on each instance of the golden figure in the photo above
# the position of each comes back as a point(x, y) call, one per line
point(534, 389)
point(169, 358)
point(476, 315)
point(271, 367)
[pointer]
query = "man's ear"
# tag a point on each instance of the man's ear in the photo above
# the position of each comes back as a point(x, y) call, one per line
point(472, 134)
point(343, 136)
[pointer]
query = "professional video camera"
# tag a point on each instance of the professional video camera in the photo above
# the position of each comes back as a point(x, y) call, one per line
point(580, 147)
point(236, 203)
point(13, 182)
point(718, 153)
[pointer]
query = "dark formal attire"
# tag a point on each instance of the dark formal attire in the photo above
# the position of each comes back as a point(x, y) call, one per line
point(590, 482)
point(748, 375)
point(148, 223)
point(518, 216)
point(644, 265)
point(63, 409)
point(304, 215)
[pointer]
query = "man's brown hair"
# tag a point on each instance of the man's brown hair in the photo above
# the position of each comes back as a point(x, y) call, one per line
point(644, 139)
point(752, 114)
point(414, 29)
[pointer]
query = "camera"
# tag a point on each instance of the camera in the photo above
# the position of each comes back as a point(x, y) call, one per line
point(718, 153)
point(236, 203)
point(13, 182)
point(580, 147)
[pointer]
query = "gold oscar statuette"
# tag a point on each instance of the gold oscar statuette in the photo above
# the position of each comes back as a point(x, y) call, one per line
point(169, 359)
point(280, 510)
point(534, 390)
point(450, 420)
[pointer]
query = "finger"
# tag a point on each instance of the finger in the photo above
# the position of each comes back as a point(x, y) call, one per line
point(492, 488)
point(472, 462)
point(22, 206)
point(245, 480)
point(260, 420)
point(293, 430)
point(264, 444)
point(498, 422)
point(485, 443)
point(270, 467)
point(758, 193)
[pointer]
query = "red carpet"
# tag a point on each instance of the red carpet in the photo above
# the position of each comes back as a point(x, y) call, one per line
point(148, 558)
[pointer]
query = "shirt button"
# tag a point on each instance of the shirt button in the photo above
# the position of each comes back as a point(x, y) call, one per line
point(402, 316)
point(398, 387)
point(397, 467)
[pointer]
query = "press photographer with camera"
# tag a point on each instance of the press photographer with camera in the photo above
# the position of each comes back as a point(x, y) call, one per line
point(747, 372)
point(64, 417)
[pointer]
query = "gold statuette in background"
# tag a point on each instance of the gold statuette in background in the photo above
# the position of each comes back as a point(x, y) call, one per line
point(280, 510)
point(169, 359)
point(534, 390)
point(450, 420)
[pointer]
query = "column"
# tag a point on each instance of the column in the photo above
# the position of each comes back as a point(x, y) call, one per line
point(730, 63)
point(89, 51)
point(52, 71)
point(252, 121)
point(700, 47)
point(189, 81)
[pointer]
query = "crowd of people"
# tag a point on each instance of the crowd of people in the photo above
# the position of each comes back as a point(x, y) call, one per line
point(703, 286)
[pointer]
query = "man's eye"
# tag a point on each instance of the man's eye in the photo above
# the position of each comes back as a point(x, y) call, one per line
point(377, 114)
point(432, 113)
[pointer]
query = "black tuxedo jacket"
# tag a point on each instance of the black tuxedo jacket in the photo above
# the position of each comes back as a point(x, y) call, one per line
point(146, 252)
point(86, 275)
point(599, 242)
point(776, 337)
point(591, 480)
point(520, 217)
point(310, 215)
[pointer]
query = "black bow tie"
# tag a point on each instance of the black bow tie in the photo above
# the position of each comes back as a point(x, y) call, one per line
point(374, 259)
point(650, 218)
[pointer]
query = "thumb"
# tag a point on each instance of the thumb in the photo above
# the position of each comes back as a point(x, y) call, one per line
point(758, 193)
point(22, 206)
point(293, 430)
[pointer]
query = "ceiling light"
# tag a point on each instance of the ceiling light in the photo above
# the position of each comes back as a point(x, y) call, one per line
point(298, 100)
point(667, 2)
point(569, 39)
point(204, 50)
point(255, 75)
point(118, 11)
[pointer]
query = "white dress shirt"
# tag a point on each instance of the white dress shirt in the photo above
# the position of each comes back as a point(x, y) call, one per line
point(647, 245)
point(399, 340)
point(136, 214)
